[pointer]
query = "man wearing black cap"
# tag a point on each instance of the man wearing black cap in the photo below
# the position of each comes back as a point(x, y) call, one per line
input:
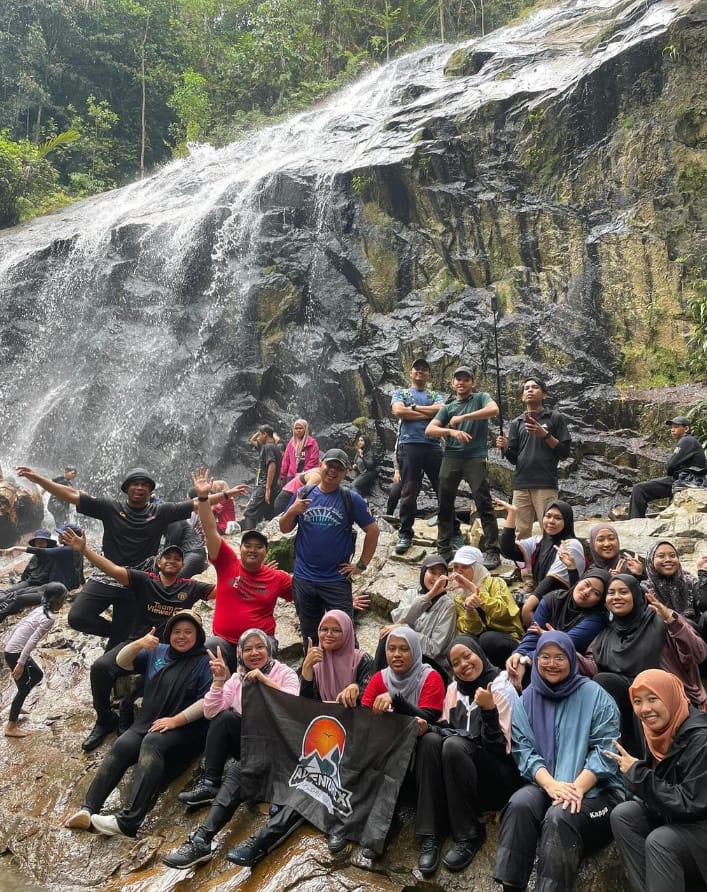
point(418, 453)
point(261, 505)
point(464, 424)
point(132, 530)
point(325, 543)
point(158, 596)
point(687, 455)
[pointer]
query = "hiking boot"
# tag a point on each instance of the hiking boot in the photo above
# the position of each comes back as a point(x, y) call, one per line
point(458, 541)
point(428, 859)
point(247, 853)
point(336, 843)
point(203, 793)
point(100, 731)
point(80, 820)
point(463, 852)
point(492, 559)
point(107, 825)
point(196, 850)
point(404, 543)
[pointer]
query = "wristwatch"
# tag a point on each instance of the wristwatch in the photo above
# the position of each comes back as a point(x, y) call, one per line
point(361, 566)
point(525, 660)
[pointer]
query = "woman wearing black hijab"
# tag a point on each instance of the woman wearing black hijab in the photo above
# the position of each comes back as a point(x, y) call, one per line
point(556, 559)
point(644, 634)
point(463, 764)
point(169, 732)
point(579, 611)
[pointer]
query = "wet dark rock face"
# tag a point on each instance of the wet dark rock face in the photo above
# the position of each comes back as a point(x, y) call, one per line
point(300, 272)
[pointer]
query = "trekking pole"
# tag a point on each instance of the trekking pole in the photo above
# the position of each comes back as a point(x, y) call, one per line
point(494, 310)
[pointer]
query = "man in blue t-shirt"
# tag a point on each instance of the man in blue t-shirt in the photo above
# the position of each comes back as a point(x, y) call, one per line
point(464, 425)
point(325, 544)
point(418, 453)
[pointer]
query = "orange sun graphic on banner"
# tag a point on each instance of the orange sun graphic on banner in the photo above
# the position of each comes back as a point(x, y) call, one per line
point(322, 736)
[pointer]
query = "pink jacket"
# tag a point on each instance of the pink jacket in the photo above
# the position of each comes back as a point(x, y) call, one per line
point(229, 696)
point(289, 463)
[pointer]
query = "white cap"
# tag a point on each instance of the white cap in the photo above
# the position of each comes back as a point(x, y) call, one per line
point(468, 555)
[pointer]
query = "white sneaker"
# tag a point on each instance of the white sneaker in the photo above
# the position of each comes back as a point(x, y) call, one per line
point(107, 825)
point(81, 820)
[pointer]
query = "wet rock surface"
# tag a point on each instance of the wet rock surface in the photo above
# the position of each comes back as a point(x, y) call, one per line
point(43, 776)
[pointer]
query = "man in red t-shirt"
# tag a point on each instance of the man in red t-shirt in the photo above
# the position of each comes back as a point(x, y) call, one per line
point(246, 588)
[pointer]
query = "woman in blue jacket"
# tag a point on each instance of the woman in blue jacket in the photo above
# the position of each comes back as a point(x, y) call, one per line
point(562, 726)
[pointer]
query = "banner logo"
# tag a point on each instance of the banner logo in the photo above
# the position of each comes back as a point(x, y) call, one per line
point(317, 771)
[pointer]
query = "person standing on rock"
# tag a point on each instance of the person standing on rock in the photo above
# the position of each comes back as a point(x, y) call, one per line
point(687, 455)
point(324, 516)
point(463, 424)
point(537, 441)
point(132, 529)
point(418, 453)
point(261, 505)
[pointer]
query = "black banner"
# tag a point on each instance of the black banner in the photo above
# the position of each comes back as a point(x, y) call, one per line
point(339, 768)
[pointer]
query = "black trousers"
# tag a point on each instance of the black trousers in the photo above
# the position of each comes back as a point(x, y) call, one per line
point(92, 600)
point(531, 822)
point(457, 780)
point(224, 805)
point(158, 759)
point(643, 493)
point(29, 679)
point(416, 460)
point(18, 597)
point(658, 857)
point(222, 742)
point(257, 508)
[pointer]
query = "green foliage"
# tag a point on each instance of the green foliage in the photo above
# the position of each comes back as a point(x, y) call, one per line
point(698, 416)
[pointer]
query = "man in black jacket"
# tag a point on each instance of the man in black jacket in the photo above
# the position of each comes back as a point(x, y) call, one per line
point(687, 455)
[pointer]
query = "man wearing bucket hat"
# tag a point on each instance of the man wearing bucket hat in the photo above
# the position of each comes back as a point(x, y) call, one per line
point(688, 455)
point(132, 529)
point(324, 515)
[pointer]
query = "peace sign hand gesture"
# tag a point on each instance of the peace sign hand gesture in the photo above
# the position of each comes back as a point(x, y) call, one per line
point(624, 759)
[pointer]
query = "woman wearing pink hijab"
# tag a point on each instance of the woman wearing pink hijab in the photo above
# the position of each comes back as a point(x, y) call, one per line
point(301, 453)
point(336, 670)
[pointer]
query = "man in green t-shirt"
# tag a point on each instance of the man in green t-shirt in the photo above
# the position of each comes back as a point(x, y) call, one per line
point(464, 425)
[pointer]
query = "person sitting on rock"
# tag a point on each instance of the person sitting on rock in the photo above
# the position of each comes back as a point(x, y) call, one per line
point(484, 606)
point(49, 562)
point(301, 453)
point(223, 706)
point(643, 634)
point(225, 510)
point(365, 467)
point(675, 587)
point(562, 726)
point(158, 596)
point(605, 552)
point(429, 610)
point(463, 765)
point(688, 455)
point(169, 732)
point(556, 559)
point(19, 646)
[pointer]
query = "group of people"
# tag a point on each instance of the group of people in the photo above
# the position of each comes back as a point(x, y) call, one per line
point(579, 714)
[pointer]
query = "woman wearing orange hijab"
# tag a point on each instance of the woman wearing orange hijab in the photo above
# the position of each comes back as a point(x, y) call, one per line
point(662, 835)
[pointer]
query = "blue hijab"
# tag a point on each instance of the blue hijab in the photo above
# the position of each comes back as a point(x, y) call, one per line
point(540, 697)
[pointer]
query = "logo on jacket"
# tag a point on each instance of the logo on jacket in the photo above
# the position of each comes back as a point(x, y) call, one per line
point(317, 771)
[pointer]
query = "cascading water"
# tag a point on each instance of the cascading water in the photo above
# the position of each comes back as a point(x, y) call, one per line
point(157, 324)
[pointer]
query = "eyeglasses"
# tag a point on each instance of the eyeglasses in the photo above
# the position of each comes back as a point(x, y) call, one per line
point(327, 630)
point(557, 660)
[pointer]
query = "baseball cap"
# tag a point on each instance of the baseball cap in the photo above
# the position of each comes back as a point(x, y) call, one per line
point(337, 455)
point(421, 364)
point(468, 555)
point(169, 548)
point(464, 370)
point(255, 534)
point(680, 419)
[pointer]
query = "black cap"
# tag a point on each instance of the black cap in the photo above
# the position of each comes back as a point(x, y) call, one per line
point(682, 420)
point(422, 364)
point(169, 548)
point(137, 474)
point(337, 455)
point(255, 534)
point(464, 370)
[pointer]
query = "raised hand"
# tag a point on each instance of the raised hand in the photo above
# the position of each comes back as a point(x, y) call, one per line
point(313, 656)
point(201, 482)
point(622, 757)
point(566, 556)
point(665, 613)
point(73, 540)
point(484, 698)
point(149, 641)
point(217, 664)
